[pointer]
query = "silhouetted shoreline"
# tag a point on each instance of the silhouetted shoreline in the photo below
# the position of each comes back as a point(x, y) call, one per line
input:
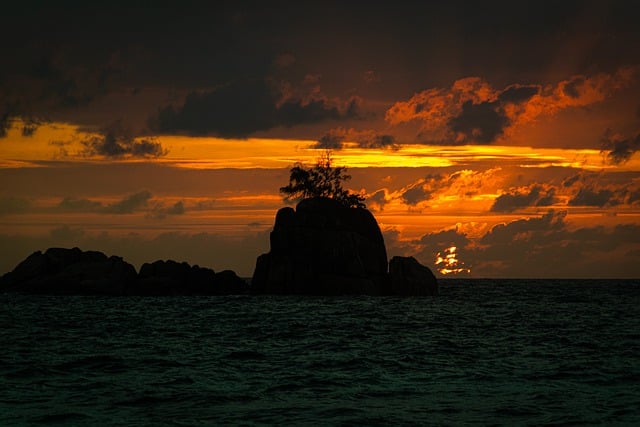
point(321, 248)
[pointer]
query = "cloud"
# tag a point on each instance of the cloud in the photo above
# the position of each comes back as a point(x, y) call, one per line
point(133, 203)
point(594, 197)
point(443, 239)
point(518, 198)
point(242, 108)
point(584, 189)
point(425, 188)
point(160, 211)
point(335, 139)
point(517, 94)
point(115, 141)
point(10, 205)
point(541, 246)
point(5, 124)
point(548, 247)
point(618, 148)
point(504, 233)
point(482, 123)
point(129, 204)
point(79, 205)
point(471, 111)
point(376, 200)
point(596, 190)
point(460, 184)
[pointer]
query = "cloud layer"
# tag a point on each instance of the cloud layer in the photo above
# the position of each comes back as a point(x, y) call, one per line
point(241, 108)
point(471, 111)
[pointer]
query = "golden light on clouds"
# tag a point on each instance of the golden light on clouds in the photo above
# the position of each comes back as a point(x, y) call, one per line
point(67, 143)
point(447, 262)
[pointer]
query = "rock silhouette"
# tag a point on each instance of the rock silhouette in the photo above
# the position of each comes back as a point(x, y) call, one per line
point(60, 271)
point(174, 278)
point(325, 248)
point(320, 248)
point(409, 277)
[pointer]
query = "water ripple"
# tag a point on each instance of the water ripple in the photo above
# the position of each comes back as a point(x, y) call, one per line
point(485, 352)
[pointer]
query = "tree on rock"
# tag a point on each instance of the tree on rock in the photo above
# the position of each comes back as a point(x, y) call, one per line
point(321, 180)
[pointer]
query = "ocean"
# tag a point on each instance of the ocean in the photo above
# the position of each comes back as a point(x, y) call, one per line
point(484, 352)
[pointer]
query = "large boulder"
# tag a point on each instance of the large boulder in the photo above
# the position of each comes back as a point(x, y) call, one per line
point(174, 278)
point(409, 277)
point(323, 248)
point(61, 271)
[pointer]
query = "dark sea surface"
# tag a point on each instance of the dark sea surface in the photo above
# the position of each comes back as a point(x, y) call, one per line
point(485, 352)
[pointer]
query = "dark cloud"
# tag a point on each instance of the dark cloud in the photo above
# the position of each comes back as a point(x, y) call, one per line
point(504, 233)
point(160, 211)
point(129, 204)
point(65, 86)
point(425, 188)
point(547, 247)
point(5, 124)
point(548, 199)
point(10, 205)
point(177, 208)
point(415, 195)
point(330, 141)
point(8, 119)
point(68, 57)
point(294, 112)
point(573, 88)
point(242, 108)
point(79, 205)
point(634, 196)
point(378, 141)
point(377, 200)
point(618, 148)
point(518, 93)
point(568, 182)
point(438, 241)
point(587, 196)
point(482, 123)
point(334, 139)
point(30, 127)
point(520, 198)
point(544, 246)
point(117, 142)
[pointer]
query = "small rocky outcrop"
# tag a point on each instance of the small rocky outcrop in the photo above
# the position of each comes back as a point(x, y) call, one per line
point(323, 248)
point(174, 278)
point(60, 271)
point(409, 277)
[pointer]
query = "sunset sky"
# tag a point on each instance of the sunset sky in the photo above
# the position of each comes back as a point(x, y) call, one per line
point(508, 130)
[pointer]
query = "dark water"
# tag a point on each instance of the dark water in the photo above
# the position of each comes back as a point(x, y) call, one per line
point(484, 352)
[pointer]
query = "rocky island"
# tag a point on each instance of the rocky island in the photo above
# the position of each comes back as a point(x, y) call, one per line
point(325, 248)
point(330, 244)
point(61, 271)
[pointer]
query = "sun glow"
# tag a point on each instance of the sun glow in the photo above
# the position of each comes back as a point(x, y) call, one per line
point(448, 263)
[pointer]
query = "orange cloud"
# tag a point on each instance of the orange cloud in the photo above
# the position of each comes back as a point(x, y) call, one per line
point(471, 111)
point(577, 91)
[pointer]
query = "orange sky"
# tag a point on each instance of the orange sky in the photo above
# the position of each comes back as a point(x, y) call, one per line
point(211, 188)
point(509, 133)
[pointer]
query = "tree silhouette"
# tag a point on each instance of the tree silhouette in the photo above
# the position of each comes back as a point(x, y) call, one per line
point(322, 180)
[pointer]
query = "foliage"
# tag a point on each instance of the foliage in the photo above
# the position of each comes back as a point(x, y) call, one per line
point(322, 180)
